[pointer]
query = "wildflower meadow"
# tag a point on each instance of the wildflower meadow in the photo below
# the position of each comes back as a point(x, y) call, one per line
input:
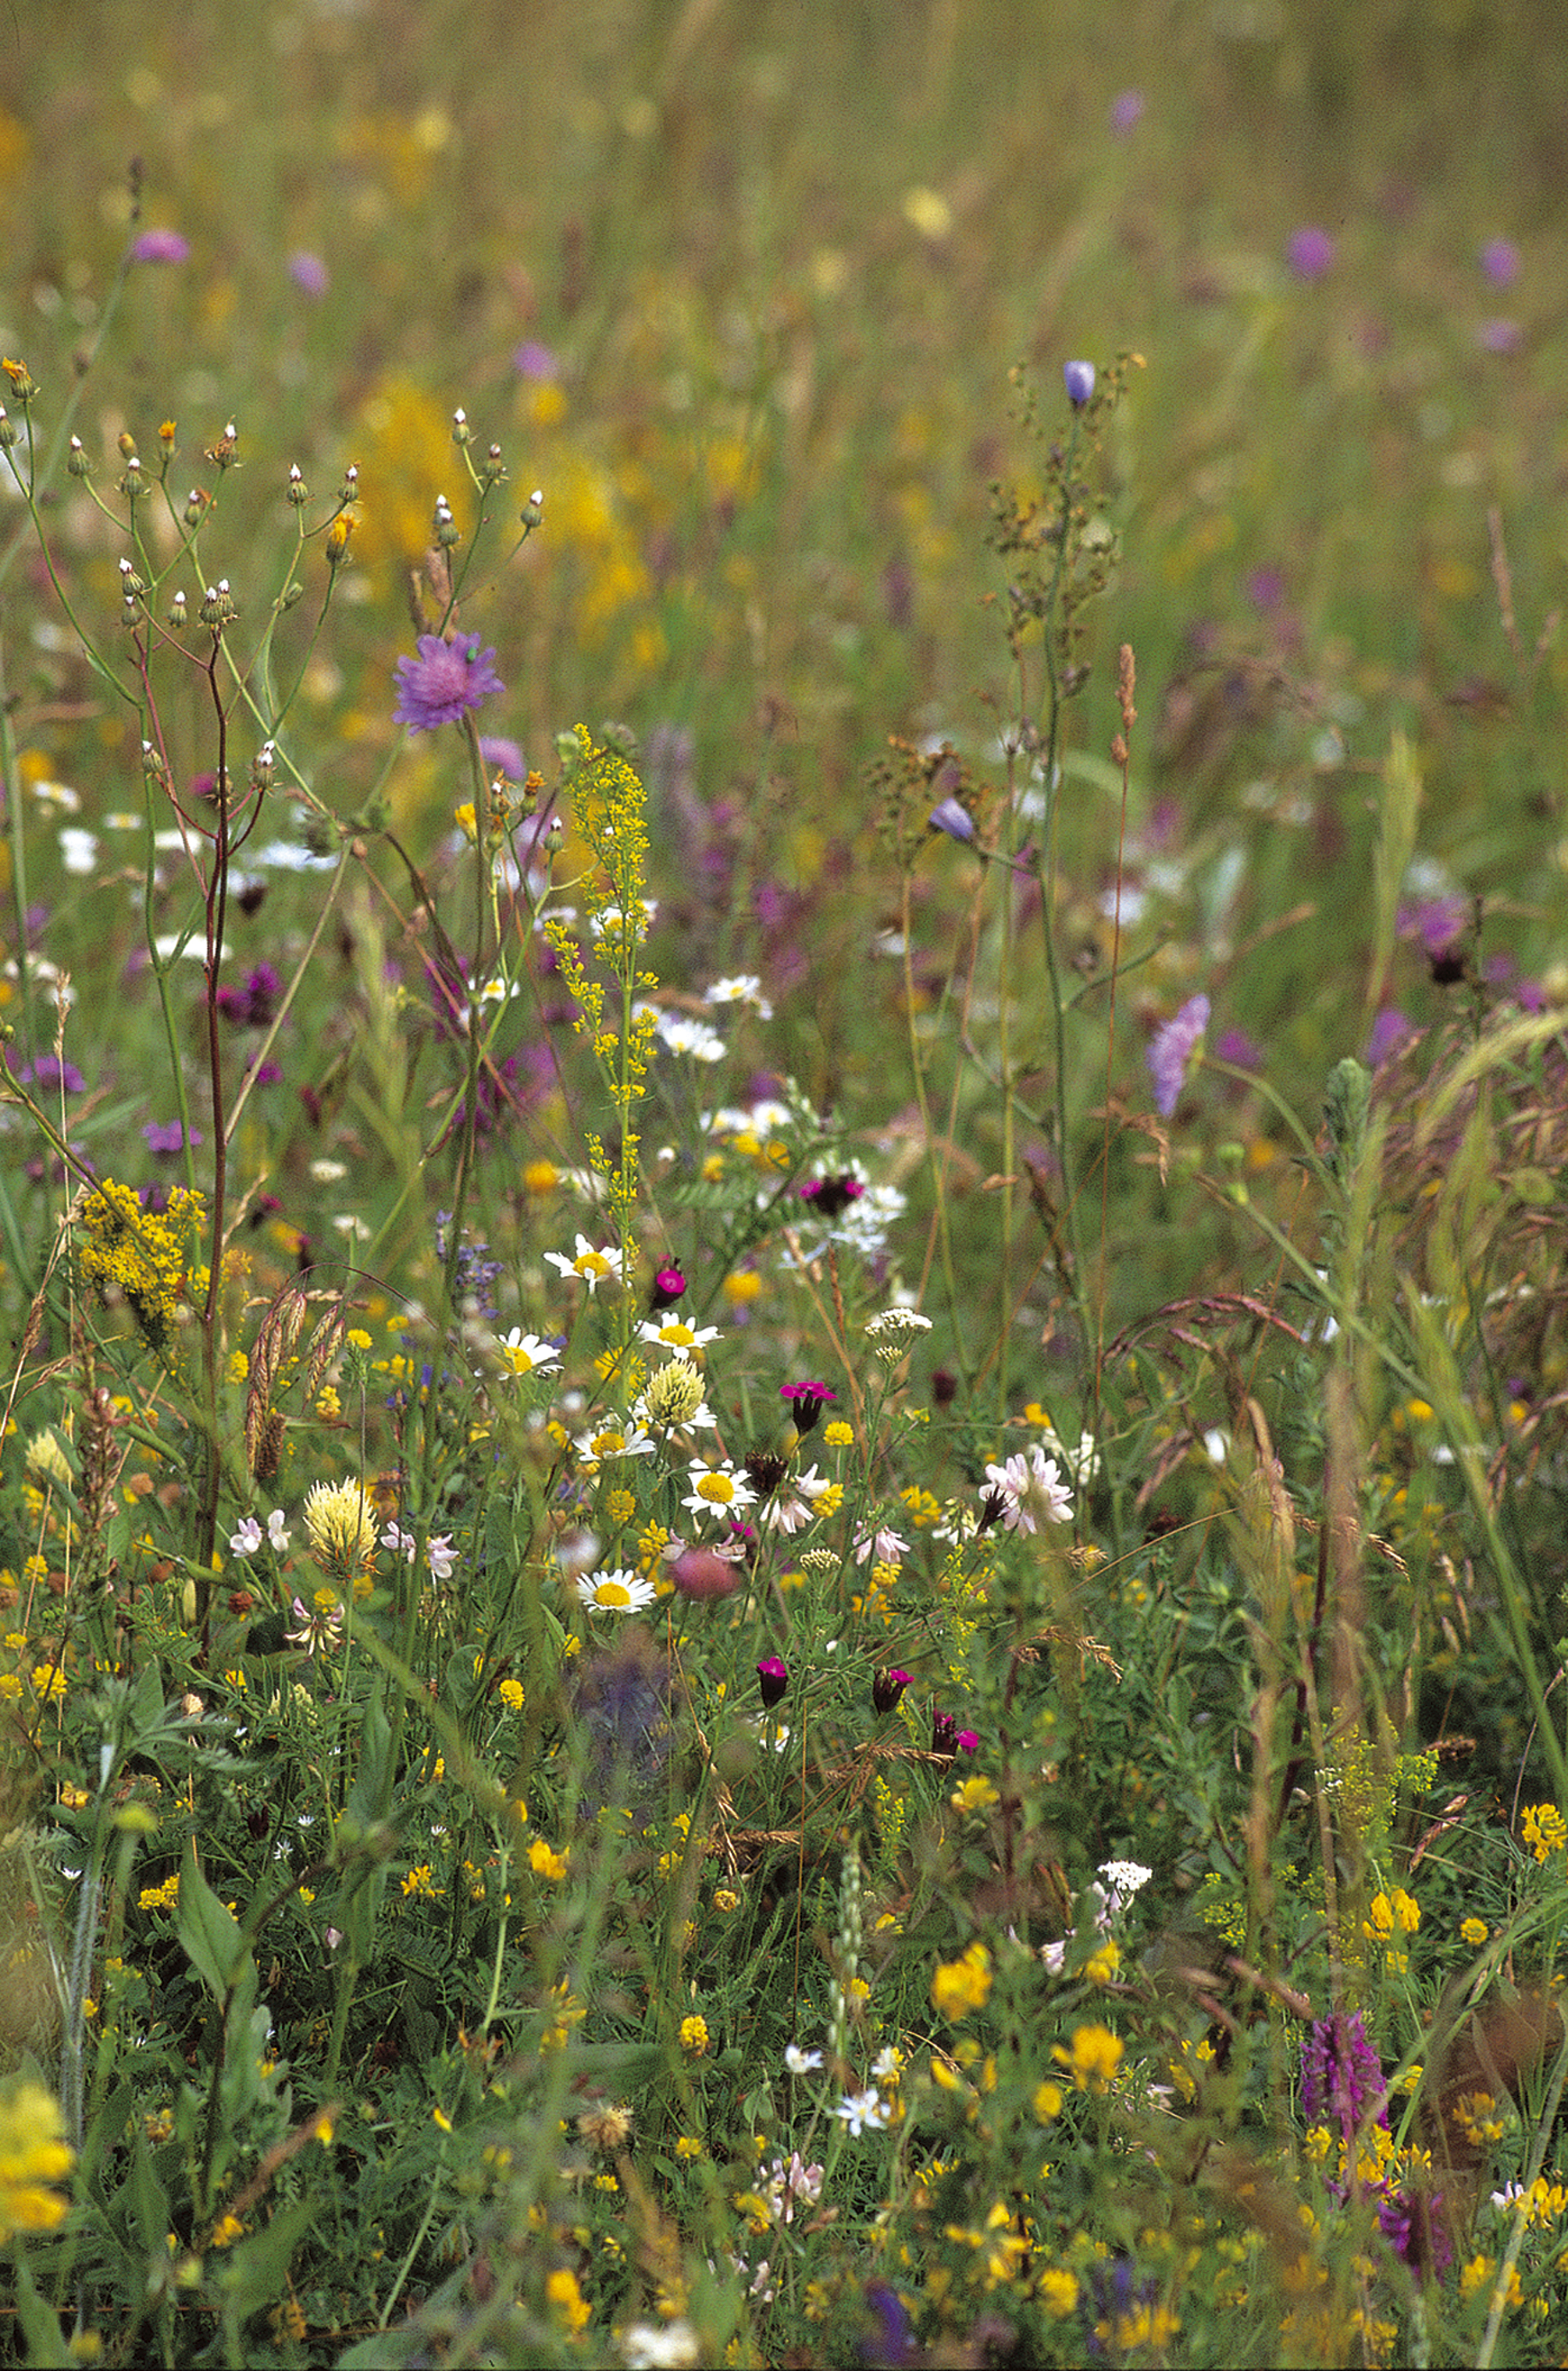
point(784, 1074)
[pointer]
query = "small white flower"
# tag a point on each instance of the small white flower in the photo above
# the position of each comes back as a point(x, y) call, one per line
point(441, 1556)
point(899, 1320)
point(673, 1333)
point(716, 1490)
point(861, 2111)
point(693, 1037)
point(743, 987)
point(888, 2066)
point(660, 2346)
point(800, 2062)
point(247, 1538)
point(1124, 1879)
point(1032, 1491)
point(277, 1531)
point(889, 1547)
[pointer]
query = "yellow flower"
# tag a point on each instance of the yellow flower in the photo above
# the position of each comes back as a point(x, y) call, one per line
point(1474, 1932)
point(963, 1985)
point(1058, 2293)
point(418, 1883)
point(838, 1434)
point(1543, 1828)
point(564, 2294)
point(33, 2155)
point(1093, 2059)
point(694, 2035)
point(226, 2230)
point(511, 1694)
point(1048, 2101)
point(547, 1863)
point(1102, 1966)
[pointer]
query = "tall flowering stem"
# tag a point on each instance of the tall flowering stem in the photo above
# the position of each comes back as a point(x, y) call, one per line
point(606, 801)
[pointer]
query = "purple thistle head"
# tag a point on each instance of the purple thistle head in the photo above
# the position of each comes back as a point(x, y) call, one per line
point(1173, 1050)
point(160, 247)
point(446, 683)
point(1309, 251)
point(1341, 2073)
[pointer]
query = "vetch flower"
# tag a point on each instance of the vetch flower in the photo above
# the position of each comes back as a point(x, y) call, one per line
point(446, 683)
point(1078, 379)
point(1173, 1050)
point(1500, 261)
point(248, 1539)
point(621, 1591)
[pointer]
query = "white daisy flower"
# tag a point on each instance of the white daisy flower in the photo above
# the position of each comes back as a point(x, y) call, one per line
point(621, 1592)
point(590, 1265)
point(716, 1491)
point(673, 1333)
point(526, 1354)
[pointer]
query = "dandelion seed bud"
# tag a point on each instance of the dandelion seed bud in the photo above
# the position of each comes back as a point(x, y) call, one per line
point(151, 762)
point(130, 584)
point(176, 611)
point(349, 491)
point(446, 531)
point(533, 510)
point(461, 431)
point(133, 485)
point(76, 460)
point(261, 766)
point(298, 491)
point(7, 432)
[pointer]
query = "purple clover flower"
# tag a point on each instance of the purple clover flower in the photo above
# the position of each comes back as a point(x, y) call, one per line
point(1309, 251)
point(1173, 1050)
point(446, 683)
point(160, 247)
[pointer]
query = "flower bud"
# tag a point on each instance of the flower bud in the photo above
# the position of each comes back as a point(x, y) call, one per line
point(176, 611)
point(533, 510)
point(461, 431)
point(772, 1679)
point(703, 1572)
point(886, 1689)
point(76, 460)
point(1078, 379)
point(297, 491)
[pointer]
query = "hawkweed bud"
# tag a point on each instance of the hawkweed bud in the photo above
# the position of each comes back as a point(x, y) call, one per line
point(132, 484)
point(446, 531)
point(338, 536)
point(130, 584)
point(127, 445)
point(221, 454)
point(261, 766)
point(166, 438)
point(176, 611)
point(461, 431)
point(212, 610)
point(289, 595)
point(349, 491)
point(8, 431)
point(493, 469)
point(533, 510)
point(298, 491)
point(195, 504)
point(76, 460)
point(152, 765)
point(24, 387)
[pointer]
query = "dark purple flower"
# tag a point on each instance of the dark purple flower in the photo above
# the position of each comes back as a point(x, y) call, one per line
point(1171, 1051)
point(831, 1196)
point(266, 1075)
point(668, 1286)
point(168, 1136)
point(890, 2343)
point(160, 247)
point(772, 1679)
point(944, 1733)
point(1126, 112)
point(1341, 2074)
point(444, 684)
point(1500, 261)
point(1078, 380)
point(886, 1689)
point(764, 1470)
point(308, 272)
point(1309, 251)
point(951, 817)
point(255, 1005)
point(807, 1402)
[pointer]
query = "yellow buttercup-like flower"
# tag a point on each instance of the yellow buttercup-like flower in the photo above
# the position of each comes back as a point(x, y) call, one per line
point(33, 2155)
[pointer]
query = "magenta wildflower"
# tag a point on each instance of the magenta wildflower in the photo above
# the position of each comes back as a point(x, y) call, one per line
point(886, 1689)
point(807, 1402)
point(831, 1196)
point(1173, 1050)
point(1309, 251)
point(668, 1286)
point(308, 272)
point(255, 1005)
point(50, 1074)
point(168, 1136)
point(160, 247)
point(444, 684)
point(772, 1679)
point(703, 1572)
point(1391, 1031)
point(532, 360)
point(1500, 261)
point(1242, 1052)
point(1341, 2074)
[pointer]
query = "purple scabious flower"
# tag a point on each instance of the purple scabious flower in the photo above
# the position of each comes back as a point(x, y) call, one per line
point(1391, 1030)
point(503, 757)
point(1078, 380)
point(446, 683)
point(308, 272)
point(1500, 261)
point(1173, 1050)
point(160, 247)
point(1234, 1046)
point(1309, 251)
point(1126, 112)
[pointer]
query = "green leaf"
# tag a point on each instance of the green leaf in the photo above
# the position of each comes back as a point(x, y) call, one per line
point(208, 1931)
point(40, 2323)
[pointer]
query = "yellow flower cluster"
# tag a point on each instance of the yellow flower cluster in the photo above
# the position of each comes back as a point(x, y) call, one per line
point(33, 2155)
point(963, 1985)
point(1543, 1828)
point(138, 1259)
point(1388, 1918)
point(1092, 2059)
